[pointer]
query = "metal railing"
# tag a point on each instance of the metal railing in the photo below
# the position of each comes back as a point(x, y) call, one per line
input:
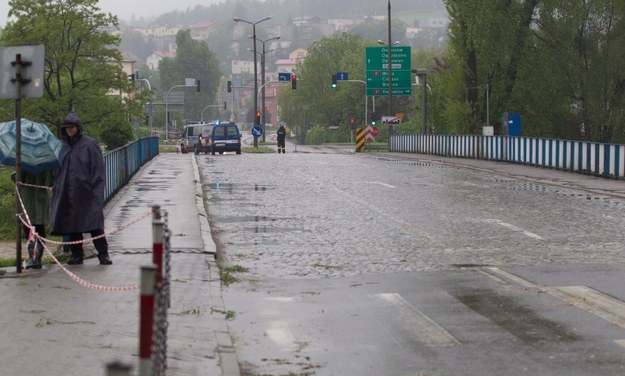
point(599, 159)
point(123, 162)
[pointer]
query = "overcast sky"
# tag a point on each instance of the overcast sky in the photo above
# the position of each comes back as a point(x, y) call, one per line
point(124, 9)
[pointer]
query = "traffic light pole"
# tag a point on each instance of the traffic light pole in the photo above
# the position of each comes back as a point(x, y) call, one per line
point(366, 101)
point(258, 94)
point(209, 106)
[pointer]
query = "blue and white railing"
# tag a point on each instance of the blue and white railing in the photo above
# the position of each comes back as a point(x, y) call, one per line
point(607, 160)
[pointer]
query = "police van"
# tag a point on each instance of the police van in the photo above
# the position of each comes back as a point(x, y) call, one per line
point(197, 137)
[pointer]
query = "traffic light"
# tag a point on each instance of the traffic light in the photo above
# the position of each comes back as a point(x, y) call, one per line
point(293, 81)
point(333, 81)
point(257, 117)
point(197, 85)
point(229, 86)
point(352, 121)
point(373, 118)
point(225, 107)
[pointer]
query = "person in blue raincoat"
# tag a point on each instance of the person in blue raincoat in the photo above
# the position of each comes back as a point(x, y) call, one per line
point(78, 192)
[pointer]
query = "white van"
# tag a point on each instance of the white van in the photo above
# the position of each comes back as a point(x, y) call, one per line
point(196, 137)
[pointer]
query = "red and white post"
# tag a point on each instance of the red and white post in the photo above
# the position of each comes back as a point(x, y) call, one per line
point(146, 317)
point(157, 243)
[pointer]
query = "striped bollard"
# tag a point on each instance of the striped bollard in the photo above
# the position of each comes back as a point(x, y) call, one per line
point(360, 140)
point(146, 317)
point(157, 243)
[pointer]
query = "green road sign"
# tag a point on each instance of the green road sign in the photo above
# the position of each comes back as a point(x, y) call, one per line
point(379, 79)
point(384, 91)
point(376, 58)
point(376, 66)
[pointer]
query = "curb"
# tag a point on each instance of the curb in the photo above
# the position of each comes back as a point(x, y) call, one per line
point(228, 359)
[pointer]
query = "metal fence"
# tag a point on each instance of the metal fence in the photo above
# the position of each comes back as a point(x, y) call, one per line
point(600, 159)
point(122, 163)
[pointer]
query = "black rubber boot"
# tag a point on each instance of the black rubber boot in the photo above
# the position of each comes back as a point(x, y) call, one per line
point(32, 262)
point(102, 246)
point(104, 259)
point(75, 259)
point(77, 256)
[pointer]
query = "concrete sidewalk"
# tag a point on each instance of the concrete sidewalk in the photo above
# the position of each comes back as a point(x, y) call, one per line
point(55, 323)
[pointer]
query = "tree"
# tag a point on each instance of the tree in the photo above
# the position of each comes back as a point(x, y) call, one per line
point(315, 98)
point(193, 60)
point(82, 65)
point(489, 40)
point(584, 44)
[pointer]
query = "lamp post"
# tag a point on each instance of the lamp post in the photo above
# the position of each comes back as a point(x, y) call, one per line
point(262, 83)
point(189, 82)
point(422, 75)
point(390, 70)
point(255, 65)
point(148, 110)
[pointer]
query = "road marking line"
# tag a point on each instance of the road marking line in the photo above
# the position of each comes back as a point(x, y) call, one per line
point(620, 342)
point(599, 304)
point(514, 228)
point(593, 301)
point(514, 278)
point(382, 184)
point(415, 321)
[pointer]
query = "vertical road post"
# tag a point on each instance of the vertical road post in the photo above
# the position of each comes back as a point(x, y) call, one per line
point(157, 243)
point(146, 318)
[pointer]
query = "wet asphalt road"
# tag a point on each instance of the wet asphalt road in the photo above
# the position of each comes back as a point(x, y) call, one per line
point(367, 264)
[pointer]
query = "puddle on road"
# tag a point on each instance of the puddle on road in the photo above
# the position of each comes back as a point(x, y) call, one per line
point(265, 229)
point(250, 218)
point(513, 317)
point(521, 186)
point(406, 162)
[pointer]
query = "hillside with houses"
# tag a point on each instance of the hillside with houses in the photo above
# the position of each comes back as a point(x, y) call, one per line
point(282, 40)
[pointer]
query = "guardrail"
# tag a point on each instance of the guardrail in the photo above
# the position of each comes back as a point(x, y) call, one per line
point(123, 162)
point(600, 159)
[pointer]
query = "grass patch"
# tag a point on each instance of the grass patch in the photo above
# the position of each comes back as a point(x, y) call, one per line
point(258, 150)
point(164, 148)
point(227, 278)
point(10, 261)
point(190, 311)
point(235, 269)
point(326, 267)
point(226, 274)
point(4, 263)
point(229, 314)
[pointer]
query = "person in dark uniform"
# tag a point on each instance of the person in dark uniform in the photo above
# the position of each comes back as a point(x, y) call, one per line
point(78, 193)
point(281, 139)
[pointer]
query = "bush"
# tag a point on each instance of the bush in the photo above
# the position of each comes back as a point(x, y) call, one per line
point(319, 135)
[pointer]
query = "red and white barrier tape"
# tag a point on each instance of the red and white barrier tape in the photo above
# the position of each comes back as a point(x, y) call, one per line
point(33, 234)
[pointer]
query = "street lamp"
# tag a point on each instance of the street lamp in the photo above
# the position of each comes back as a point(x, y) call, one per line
point(390, 70)
point(262, 83)
point(255, 65)
point(188, 82)
point(422, 75)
